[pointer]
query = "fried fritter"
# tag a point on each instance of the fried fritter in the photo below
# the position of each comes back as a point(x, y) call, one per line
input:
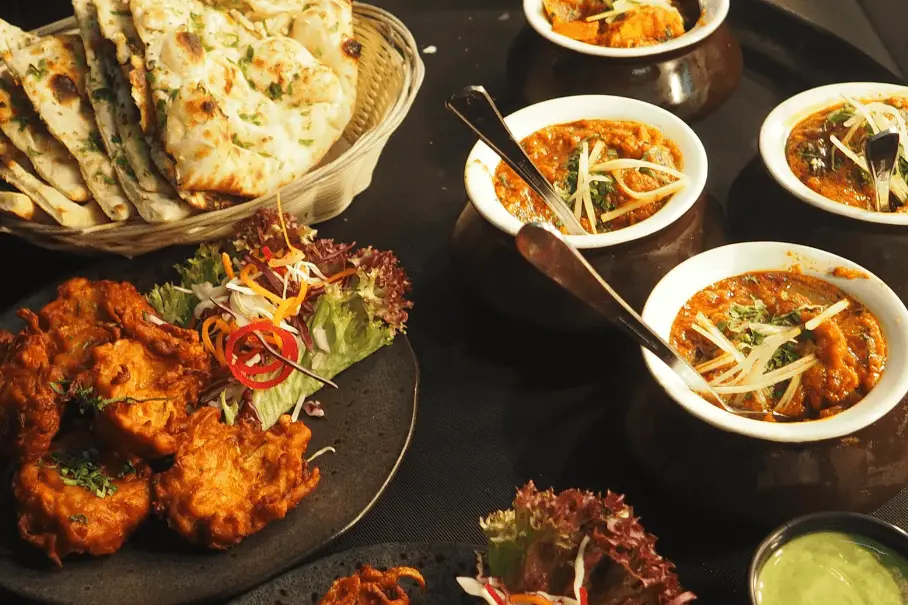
point(79, 501)
point(53, 347)
point(76, 321)
point(228, 482)
point(148, 394)
point(97, 335)
point(369, 586)
point(30, 408)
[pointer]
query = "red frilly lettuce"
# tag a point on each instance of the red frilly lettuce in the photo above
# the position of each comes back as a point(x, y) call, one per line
point(533, 546)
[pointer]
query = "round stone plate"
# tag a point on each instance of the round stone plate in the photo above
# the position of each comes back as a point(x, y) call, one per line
point(440, 564)
point(369, 420)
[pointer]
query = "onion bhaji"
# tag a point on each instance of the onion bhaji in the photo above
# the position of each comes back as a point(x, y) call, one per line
point(369, 586)
point(30, 408)
point(97, 335)
point(78, 500)
point(228, 482)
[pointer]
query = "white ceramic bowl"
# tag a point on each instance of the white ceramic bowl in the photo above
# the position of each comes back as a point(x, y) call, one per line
point(783, 119)
point(717, 264)
point(482, 162)
point(715, 12)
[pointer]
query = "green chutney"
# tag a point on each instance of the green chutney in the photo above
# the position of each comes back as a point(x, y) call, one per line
point(832, 568)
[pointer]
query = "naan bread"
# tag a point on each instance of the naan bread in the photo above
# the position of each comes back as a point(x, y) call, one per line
point(20, 123)
point(240, 111)
point(157, 202)
point(19, 205)
point(16, 170)
point(115, 20)
point(324, 27)
point(52, 74)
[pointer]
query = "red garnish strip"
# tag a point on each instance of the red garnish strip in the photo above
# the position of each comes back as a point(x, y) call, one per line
point(494, 593)
point(584, 600)
point(245, 374)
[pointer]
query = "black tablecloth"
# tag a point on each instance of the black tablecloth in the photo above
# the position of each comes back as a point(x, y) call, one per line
point(501, 403)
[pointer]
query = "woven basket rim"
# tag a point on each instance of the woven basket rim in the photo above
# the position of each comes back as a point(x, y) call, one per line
point(413, 67)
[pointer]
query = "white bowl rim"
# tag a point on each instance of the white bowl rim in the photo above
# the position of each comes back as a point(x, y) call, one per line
point(537, 20)
point(781, 121)
point(482, 162)
point(885, 304)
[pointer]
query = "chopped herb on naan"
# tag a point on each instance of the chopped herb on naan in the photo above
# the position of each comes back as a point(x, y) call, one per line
point(16, 170)
point(52, 73)
point(23, 127)
point(158, 202)
point(240, 111)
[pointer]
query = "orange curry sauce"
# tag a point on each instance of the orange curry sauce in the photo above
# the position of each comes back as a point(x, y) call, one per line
point(551, 150)
point(821, 166)
point(642, 26)
point(849, 346)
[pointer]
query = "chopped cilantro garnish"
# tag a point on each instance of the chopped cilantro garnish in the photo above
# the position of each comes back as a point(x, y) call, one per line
point(83, 470)
point(38, 71)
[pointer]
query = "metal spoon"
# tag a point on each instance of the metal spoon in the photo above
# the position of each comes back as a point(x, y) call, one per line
point(545, 248)
point(882, 151)
point(691, 11)
point(475, 107)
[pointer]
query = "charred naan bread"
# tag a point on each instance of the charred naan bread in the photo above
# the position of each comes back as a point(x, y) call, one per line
point(160, 203)
point(243, 110)
point(23, 127)
point(116, 23)
point(18, 204)
point(52, 73)
point(16, 170)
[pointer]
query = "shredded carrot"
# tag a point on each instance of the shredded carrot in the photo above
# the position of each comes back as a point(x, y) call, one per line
point(282, 310)
point(534, 599)
point(246, 278)
point(219, 349)
point(280, 215)
point(342, 274)
point(292, 257)
point(216, 348)
point(206, 335)
point(228, 265)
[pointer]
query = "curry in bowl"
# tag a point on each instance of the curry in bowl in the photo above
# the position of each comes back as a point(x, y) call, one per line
point(611, 174)
point(826, 151)
point(615, 23)
point(781, 343)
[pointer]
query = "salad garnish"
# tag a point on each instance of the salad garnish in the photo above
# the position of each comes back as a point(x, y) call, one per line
point(557, 549)
point(283, 311)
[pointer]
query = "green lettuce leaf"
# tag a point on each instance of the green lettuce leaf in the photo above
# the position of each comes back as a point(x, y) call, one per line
point(172, 305)
point(205, 266)
point(351, 332)
point(176, 307)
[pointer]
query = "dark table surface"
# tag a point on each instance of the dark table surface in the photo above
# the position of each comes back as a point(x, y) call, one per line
point(478, 387)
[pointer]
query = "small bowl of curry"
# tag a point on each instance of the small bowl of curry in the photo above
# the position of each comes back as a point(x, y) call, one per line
point(627, 169)
point(811, 345)
point(813, 145)
point(621, 28)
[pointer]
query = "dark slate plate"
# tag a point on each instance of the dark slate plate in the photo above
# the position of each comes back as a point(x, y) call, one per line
point(369, 419)
point(440, 564)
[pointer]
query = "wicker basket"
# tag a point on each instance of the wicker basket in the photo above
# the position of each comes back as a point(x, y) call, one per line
point(390, 74)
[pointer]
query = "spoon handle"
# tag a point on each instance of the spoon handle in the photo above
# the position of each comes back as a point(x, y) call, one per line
point(475, 107)
point(881, 152)
point(546, 250)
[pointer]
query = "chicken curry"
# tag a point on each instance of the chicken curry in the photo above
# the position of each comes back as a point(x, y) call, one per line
point(612, 174)
point(826, 152)
point(615, 23)
point(782, 343)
